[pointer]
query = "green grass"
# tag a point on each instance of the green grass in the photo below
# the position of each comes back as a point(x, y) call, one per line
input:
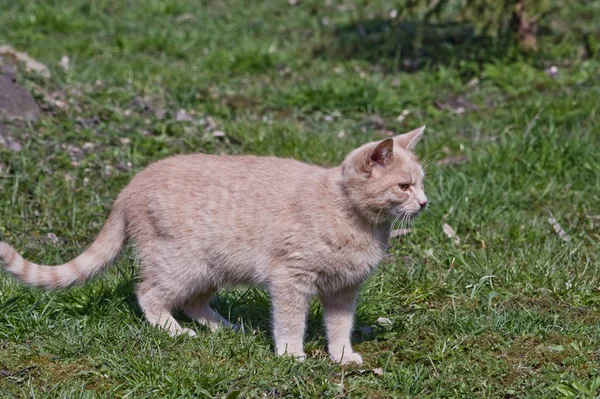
point(510, 311)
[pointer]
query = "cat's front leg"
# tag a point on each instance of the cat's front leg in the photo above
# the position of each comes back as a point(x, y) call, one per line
point(290, 306)
point(338, 313)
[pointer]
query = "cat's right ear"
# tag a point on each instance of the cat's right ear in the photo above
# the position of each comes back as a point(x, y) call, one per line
point(409, 140)
point(380, 156)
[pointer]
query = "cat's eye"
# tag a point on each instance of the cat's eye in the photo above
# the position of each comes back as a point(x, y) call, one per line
point(404, 186)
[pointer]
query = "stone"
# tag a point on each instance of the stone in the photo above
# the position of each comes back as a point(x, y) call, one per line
point(15, 102)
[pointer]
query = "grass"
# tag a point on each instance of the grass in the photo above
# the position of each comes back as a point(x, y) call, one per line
point(508, 311)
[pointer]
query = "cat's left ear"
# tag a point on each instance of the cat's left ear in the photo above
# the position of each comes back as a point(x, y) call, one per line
point(409, 140)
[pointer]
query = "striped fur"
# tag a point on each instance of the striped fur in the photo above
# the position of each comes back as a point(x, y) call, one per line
point(95, 259)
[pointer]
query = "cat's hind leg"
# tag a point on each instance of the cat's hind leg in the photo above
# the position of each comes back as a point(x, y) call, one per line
point(157, 311)
point(198, 309)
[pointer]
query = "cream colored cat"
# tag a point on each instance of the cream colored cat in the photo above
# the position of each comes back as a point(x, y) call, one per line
point(203, 222)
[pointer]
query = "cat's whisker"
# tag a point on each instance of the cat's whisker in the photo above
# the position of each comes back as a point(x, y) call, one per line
point(432, 213)
point(393, 224)
point(423, 163)
point(429, 155)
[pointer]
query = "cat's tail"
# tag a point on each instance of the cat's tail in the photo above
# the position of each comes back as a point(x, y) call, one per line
point(96, 258)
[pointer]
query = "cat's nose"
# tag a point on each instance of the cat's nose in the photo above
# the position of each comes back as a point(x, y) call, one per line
point(423, 204)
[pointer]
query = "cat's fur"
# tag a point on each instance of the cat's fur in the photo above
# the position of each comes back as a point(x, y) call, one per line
point(204, 222)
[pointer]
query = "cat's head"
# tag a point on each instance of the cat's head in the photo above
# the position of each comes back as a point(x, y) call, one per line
point(384, 179)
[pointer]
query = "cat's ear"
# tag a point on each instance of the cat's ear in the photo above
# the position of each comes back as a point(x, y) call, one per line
point(381, 155)
point(409, 140)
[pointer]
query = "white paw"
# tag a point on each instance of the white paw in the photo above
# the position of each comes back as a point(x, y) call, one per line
point(189, 332)
point(348, 358)
point(183, 331)
point(299, 356)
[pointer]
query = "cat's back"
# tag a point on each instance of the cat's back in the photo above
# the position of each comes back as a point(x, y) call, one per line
point(224, 169)
point(214, 204)
point(220, 185)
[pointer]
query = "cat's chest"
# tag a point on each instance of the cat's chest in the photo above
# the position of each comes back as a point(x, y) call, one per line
point(352, 262)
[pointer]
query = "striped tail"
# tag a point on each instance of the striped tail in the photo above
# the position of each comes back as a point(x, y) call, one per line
point(95, 259)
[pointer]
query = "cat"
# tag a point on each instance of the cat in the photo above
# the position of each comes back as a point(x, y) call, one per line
point(204, 222)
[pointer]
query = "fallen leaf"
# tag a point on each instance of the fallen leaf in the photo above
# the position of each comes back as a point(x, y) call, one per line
point(376, 371)
point(449, 231)
point(559, 230)
point(53, 238)
point(75, 153)
point(458, 104)
point(373, 123)
point(457, 160)
point(123, 167)
point(186, 17)
point(65, 63)
point(210, 124)
point(183, 116)
point(385, 322)
point(399, 232)
point(556, 348)
point(88, 123)
point(218, 133)
point(552, 72)
point(88, 146)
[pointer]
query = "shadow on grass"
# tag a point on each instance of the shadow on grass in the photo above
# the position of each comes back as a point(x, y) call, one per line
point(412, 45)
point(250, 307)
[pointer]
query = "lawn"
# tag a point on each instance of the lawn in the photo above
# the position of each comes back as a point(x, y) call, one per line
point(503, 308)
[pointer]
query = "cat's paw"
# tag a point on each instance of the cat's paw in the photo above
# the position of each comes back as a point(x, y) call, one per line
point(185, 331)
point(299, 356)
point(348, 358)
